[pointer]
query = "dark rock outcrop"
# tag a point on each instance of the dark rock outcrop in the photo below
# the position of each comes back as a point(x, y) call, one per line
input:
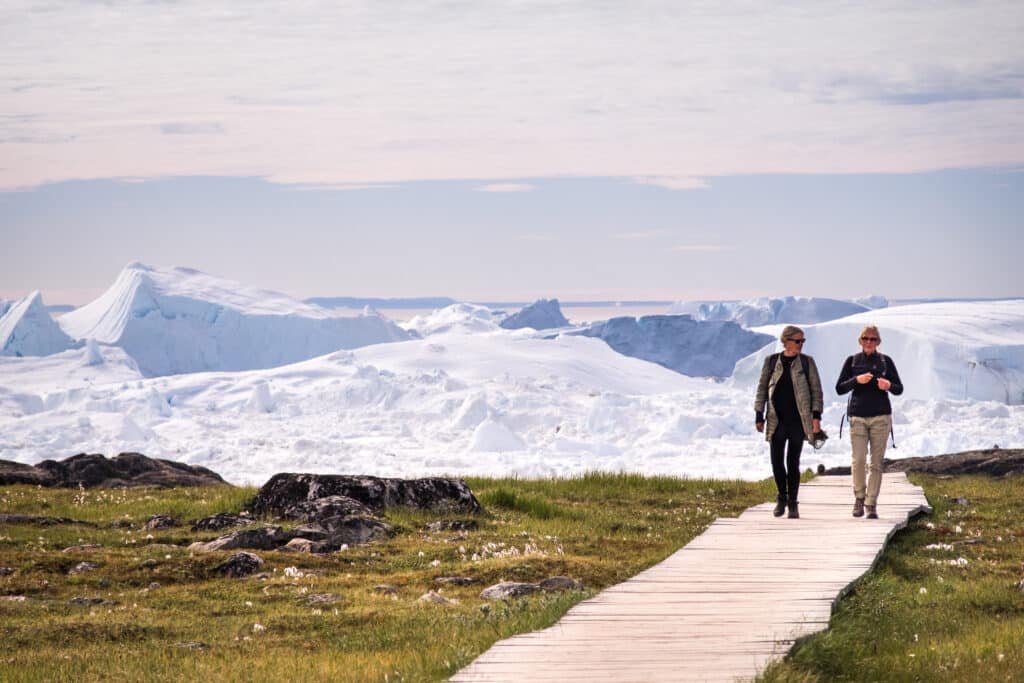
point(222, 520)
point(284, 491)
point(995, 462)
point(326, 508)
point(239, 565)
point(40, 521)
point(93, 470)
point(508, 589)
point(264, 538)
point(161, 522)
point(16, 473)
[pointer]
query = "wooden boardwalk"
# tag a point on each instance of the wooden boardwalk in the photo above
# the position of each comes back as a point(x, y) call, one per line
point(722, 608)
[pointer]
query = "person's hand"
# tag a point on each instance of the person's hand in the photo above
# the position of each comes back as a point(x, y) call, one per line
point(760, 426)
point(884, 384)
point(816, 425)
point(865, 378)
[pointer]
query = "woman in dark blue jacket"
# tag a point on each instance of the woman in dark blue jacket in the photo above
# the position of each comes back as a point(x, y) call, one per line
point(871, 376)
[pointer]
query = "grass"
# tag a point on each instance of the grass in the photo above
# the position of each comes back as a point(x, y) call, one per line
point(599, 529)
point(944, 603)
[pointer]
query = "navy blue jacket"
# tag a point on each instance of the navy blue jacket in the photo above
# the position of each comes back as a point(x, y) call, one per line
point(868, 400)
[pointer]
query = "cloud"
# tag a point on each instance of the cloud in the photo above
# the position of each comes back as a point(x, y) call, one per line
point(672, 183)
point(702, 248)
point(211, 128)
point(506, 187)
point(641, 235)
point(536, 238)
point(343, 187)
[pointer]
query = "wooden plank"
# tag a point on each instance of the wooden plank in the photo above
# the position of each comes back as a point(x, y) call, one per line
point(723, 607)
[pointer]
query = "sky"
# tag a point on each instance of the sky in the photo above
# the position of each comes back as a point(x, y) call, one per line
point(511, 150)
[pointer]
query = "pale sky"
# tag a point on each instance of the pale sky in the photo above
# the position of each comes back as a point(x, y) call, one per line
point(629, 150)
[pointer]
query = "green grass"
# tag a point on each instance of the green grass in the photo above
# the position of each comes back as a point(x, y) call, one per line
point(950, 612)
point(599, 529)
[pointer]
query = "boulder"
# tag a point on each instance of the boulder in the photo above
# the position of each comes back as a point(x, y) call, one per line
point(161, 522)
point(16, 473)
point(995, 462)
point(508, 589)
point(456, 580)
point(317, 599)
point(286, 490)
point(239, 565)
point(326, 507)
point(83, 567)
point(433, 598)
point(560, 583)
point(220, 521)
point(303, 545)
point(97, 471)
point(264, 538)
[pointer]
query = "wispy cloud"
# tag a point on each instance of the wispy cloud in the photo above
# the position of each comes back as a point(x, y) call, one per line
point(640, 235)
point(672, 183)
point(342, 187)
point(702, 248)
point(536, 238)
point(198, 128)
point(506, 187)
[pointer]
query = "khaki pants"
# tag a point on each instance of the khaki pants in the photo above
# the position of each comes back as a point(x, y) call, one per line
point(865, 431)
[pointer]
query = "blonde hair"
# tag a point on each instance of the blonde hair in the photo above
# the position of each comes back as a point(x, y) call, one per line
point(788, 331)
point(873, 330)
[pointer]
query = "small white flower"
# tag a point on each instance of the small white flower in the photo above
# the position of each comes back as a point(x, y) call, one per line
point(915, 635)
point(958, 529)
point(248, 603)
point(421, 553)
point(435, 563)
point(922, 591)
point(294, 572)
point(1000, 656)
point(258, 628)
point(930, 525)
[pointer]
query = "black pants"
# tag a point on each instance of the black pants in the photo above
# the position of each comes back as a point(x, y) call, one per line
point(786, 461)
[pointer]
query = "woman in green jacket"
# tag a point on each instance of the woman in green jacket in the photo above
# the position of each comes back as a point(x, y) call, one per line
point(790, 388)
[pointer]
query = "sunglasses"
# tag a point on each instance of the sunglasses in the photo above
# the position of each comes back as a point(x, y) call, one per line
point(797, 341)
point(870, 339)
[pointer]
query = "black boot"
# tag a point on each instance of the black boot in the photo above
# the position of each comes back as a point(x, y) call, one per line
point(793, 512)
point(780, 507)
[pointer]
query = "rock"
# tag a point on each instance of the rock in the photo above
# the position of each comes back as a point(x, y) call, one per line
point(41, 521)
point(959, 500)
point(313, 532)
point(508, 589)
point(560, 583)
point(354, 530)
point(6, 571)
point(436, 494)
point(316, 599)
point(152, 585)
point(149, 564)
point(304, 545)
point(995, 462)
point(453, 525)
point(436, 599)
point(14, 598)
point(456, 580)
point(239, 565)
point(17, 473)
point(81, 548)
point(192, 645)
point(386, 589)
point(325, 508)
point(83, 567)
point(97, 471)
point(89, 601)
point(121, 524)
point(264, 538)
point(221, 520)
point(161, 522)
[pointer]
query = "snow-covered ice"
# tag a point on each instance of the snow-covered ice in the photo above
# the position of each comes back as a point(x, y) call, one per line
point(26, 329)
point(179, 320)
point(472, 398)
point(766, 311)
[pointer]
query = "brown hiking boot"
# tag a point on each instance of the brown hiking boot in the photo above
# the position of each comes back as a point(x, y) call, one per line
point(858, 507)
point(872, 512)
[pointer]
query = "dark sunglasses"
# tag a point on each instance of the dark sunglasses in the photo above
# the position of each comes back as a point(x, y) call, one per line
point(797, 341)
point(870, 339)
